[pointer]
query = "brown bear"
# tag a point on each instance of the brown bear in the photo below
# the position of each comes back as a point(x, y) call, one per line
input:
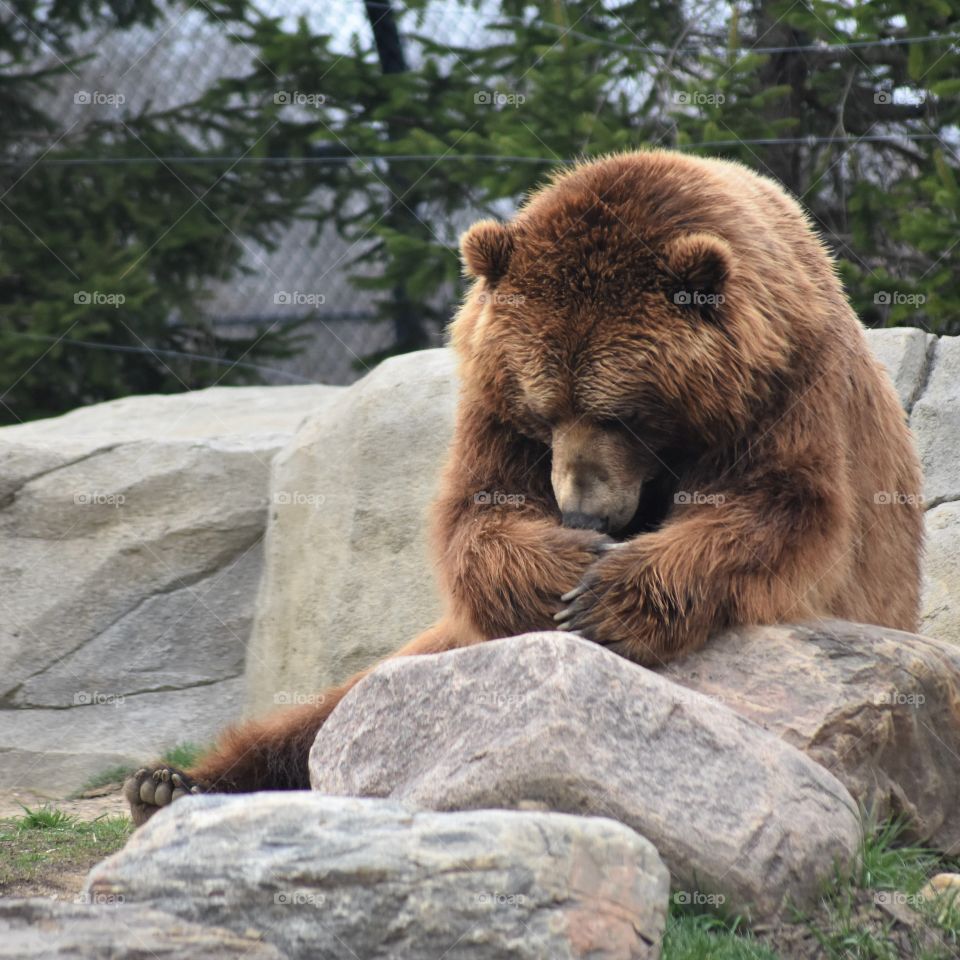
point(669, 423)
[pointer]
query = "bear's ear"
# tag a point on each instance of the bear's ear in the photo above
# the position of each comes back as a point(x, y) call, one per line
point(697, 268)
point(486, 248)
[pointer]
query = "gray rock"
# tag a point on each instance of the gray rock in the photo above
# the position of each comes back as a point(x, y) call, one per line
point(322, 876)
point(197, 636)
point(926, 372)
point(906, 354)
point(59, 750)
point(876, 707)
point(347, 560)
point(935, 422)
point(941, 573)
point(38, 929)
point(130, 553)
point(552, 719)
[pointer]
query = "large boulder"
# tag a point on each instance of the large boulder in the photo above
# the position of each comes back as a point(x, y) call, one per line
point(347, 577)
point(907, 354)
point(941, 573)
point(38, 929)
point(322, 876)
point(736, 813)
point(926, 373)
point(130, 553)
point(935, 422)
point(876, 707)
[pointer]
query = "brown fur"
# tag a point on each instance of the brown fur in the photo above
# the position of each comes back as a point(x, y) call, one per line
point(657, 345)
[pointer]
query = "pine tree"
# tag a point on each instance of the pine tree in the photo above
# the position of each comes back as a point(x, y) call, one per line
point(103, 265)
point(863, 133)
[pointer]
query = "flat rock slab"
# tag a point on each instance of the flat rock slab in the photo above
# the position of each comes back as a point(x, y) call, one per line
point(935, 421)
point(323, 876)
point(879, 708)
point(38, 929)
point(551, 719)
point(358, 477)
point(906, 352)
point(941, 574)
point(130, 556)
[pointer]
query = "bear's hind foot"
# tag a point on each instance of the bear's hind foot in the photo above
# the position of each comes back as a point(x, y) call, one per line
point(151, 788)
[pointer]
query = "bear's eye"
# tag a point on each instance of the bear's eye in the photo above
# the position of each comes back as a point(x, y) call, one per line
point(627, 420)
point(611, 423)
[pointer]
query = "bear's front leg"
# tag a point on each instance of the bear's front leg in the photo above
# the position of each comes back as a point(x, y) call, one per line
point(504, 573)
point(630, 604)
point(768, 552)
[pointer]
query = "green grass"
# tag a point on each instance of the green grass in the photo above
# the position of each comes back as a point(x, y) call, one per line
point(107, 776)
point(840, 932)
point(944, 915)
point(44, 818)
point(894, 869)
point(848, 923)
point(183, 755)
point(705, 937)
point(888, 863)
point(43, 844)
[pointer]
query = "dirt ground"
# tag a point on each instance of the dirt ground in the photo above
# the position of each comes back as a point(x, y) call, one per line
point(54, 863)
point(103, 800)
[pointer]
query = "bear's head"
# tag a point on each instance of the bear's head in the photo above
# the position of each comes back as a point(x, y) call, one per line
point(607, 321)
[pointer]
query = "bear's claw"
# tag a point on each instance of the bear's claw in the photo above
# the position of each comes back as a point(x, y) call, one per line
point(151, 788)
point(568, 597)
point(610, 545)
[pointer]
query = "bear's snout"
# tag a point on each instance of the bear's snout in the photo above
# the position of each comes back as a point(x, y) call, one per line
point(596, 476)
point(585, 521)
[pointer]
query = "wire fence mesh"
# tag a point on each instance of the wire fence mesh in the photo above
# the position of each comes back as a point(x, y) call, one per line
point(306, 273)
point(305, 277)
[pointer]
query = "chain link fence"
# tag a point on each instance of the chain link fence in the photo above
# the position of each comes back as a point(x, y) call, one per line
point(305, 277)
